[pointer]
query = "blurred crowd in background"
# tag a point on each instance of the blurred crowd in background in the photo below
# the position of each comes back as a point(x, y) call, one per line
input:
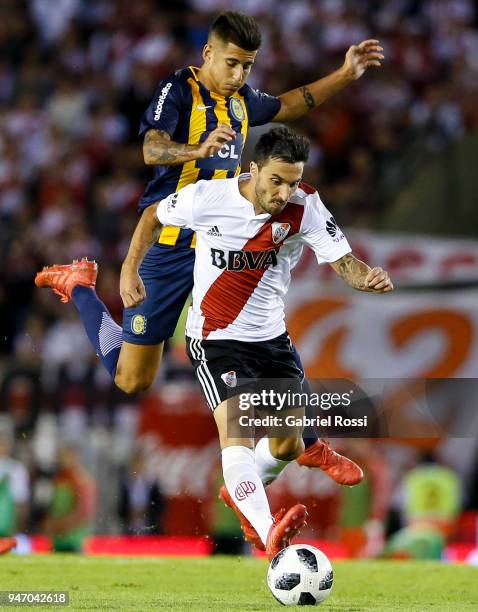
point(75, 78)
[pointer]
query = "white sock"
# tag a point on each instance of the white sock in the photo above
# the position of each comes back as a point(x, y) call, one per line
point(267, 466)
point(246, 488)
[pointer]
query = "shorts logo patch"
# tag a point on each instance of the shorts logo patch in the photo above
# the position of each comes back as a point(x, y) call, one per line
point(138, 325)
point(244, 489)
point(237, 110)
point(229, 378)
point(279, 232)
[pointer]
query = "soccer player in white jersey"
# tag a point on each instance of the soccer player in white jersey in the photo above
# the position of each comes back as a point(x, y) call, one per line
point(235, 328)
point(195, 128)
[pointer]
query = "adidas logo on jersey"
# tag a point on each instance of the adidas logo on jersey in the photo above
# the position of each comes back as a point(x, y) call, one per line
point(214, 231)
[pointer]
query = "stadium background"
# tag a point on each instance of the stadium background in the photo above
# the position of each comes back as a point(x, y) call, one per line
point(394, 158)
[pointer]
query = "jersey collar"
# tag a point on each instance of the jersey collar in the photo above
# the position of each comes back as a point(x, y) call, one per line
point(194, 71)
point(243, 177)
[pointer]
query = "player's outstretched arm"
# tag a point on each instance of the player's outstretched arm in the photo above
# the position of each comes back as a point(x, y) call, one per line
point(160, 150)
point(358, 58)
point(359, 276)
point(132, 289)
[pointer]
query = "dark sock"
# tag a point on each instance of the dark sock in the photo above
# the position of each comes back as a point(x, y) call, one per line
point(311, 436)
point(105, 335)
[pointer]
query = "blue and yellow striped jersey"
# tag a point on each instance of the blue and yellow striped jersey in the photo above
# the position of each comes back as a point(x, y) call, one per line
point(188, 112)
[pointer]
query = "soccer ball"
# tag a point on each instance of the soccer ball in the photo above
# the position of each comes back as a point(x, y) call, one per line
point(300, 575)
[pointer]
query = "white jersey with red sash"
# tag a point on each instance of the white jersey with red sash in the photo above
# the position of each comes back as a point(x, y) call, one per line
point(244, 260)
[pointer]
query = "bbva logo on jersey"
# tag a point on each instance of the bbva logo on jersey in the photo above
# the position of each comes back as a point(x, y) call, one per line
point(279, 231)
point(236, 261)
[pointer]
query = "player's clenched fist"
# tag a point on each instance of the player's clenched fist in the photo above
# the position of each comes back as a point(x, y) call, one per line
point(216, 140)
point(378, 280)
point(132, 289)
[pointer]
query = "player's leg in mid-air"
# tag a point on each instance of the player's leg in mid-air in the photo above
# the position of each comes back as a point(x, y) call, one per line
point(242, 469)
point(270, 457)
point(317, 453)
point(167, 275)
point(132, 353)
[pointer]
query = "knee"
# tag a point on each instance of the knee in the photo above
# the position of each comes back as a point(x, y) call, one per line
point(285, 449)
point(131, 383)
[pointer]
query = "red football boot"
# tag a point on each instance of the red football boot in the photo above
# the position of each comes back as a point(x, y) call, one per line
point(63, 279)
point(341, 469)
point(250, 533)
point(6, 545)
point(285, 527)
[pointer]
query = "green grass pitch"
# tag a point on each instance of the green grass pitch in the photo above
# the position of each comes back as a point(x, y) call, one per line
point(234, 583)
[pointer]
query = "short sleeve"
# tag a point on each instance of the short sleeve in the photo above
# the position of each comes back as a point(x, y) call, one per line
point(320, 231)
point(261, 107)
point(165, 108)
point(177, 208)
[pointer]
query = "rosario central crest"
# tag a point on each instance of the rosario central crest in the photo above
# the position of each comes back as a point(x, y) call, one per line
point(279, 231)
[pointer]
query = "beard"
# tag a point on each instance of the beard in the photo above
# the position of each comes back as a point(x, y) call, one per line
point(271, 207)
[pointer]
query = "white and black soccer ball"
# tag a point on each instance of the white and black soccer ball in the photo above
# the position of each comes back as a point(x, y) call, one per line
point(300, 575)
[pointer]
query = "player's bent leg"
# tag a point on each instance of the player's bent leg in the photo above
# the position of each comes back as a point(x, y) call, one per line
point(244, 493)
point(285, 438)
point(318, 453)
point(76, 282)
point(244, 487)
point(168, 279)
point(133, 367)
point(138, 366)
point(267, 465)
point(286, 449)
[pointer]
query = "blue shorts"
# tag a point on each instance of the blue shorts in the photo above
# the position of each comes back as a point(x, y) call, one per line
point(167, 275)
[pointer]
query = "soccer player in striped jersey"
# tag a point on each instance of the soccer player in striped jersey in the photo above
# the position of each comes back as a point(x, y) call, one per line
point(235, 329)
point(195, 128)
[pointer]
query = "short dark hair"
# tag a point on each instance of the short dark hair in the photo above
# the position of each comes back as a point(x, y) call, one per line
point(281, 143)
point(237, 28)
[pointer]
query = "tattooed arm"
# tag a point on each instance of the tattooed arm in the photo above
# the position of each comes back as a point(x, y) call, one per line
point(160, 150)
point(132, 289)
point(359, 276)
point(298, 102)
